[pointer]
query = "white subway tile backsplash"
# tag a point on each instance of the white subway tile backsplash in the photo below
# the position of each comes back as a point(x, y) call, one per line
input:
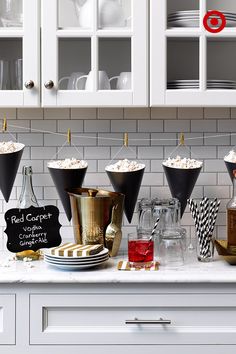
point(154, 152)
point(110, 113)
point(142, 139)
point(75, 126)
point(83, 139)
point(216, 113)
point(9, 113)
point(216, 139)
point(96, 179)
point(125, 126)
point(31, 139)
point(203, 152)
point(176, 126)
point(214, 166)
point(30, 113)
point(69, 151)
point(150, 126)
point(163, 139)
point(163, 113)
point(56, 113)
point(118, 153)
point(203, 126)
point(54, 140)
point(100, 126)
point(137, 113)
point(44, 125)
point(217, 191)
point(96, 152)
point(153, 136)
point(39, 153)
point(18, 126)
point(190, 113)
point(152, 179)
point(83, 113)
point(228, 125)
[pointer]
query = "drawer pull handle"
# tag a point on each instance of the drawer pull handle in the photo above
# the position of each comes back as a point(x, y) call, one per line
point(146, 322)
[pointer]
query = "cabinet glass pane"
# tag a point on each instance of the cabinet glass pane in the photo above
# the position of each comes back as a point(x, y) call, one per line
point(221, 59)
point(228, 7)
point(74, 63)
point(115, 64)
point(114, 13)
point(182, 13)
point(75, 13)
point(11, 64)
point(182, 63)
point(11, 13)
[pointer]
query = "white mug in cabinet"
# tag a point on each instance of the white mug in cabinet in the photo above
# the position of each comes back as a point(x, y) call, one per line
point(123, 81)
point(110, 13)
point(103, 81)
point(74, 81)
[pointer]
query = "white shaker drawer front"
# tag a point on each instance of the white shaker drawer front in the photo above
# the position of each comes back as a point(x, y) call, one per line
point(7, 319)
point(132, 319)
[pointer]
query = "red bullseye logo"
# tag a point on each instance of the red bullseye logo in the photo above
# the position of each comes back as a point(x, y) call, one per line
point(214, 21)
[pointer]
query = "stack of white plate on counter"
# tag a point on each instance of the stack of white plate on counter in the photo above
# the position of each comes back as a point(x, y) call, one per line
point(194, 84)
point(73, 262)
point(191, 19)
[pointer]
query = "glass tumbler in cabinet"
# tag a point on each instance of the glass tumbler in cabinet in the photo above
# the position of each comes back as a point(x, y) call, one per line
point(19, 53)
point(98, 52)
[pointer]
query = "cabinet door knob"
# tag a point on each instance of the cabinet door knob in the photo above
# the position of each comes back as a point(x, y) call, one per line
point(147, 322)
point(49, 84)
point(29, 84)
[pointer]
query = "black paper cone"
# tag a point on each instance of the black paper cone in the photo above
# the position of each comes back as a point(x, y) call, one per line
point(230, 167)
point(9, 164)
point(181, 183)
point(67, 179)
point(127, 183)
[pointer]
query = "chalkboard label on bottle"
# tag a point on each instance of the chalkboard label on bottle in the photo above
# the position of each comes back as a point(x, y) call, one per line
point(32, 228)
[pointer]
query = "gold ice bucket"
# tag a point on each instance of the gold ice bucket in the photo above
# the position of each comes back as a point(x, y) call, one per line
point(91, 214)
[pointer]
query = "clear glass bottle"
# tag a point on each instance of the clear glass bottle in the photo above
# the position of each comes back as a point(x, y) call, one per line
point(27, 198)
point(231, 216)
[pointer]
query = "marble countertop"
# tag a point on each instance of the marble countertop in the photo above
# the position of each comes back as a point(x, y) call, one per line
point(193, 271)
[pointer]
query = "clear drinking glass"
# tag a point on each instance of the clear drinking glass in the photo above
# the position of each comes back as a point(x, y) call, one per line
point(4, 74)
point(171, 250)
point(145, 215)
point(16, 74)
point(11, 13)
point(140, 249)
point(205, 249)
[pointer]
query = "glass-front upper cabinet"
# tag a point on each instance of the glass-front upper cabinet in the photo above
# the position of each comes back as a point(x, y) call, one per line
point(19, 53)
point(94, 52)
point(191, 62)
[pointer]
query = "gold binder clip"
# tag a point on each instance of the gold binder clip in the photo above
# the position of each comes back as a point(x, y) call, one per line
point(126, 139)
point(182, 140)
point(4, 125)
point(69, 136)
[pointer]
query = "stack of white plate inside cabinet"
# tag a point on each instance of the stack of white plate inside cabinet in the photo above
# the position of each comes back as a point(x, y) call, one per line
point(191, 18)
point(194, 84)
point(76, 262)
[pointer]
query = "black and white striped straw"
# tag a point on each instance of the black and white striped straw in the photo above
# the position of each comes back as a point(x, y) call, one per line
point(155, 226)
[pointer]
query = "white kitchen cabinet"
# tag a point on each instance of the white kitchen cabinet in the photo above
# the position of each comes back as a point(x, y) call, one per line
point(190, 53)
point(19, 54)
point(7, 319)
point(90, 58)
point(106, 319)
